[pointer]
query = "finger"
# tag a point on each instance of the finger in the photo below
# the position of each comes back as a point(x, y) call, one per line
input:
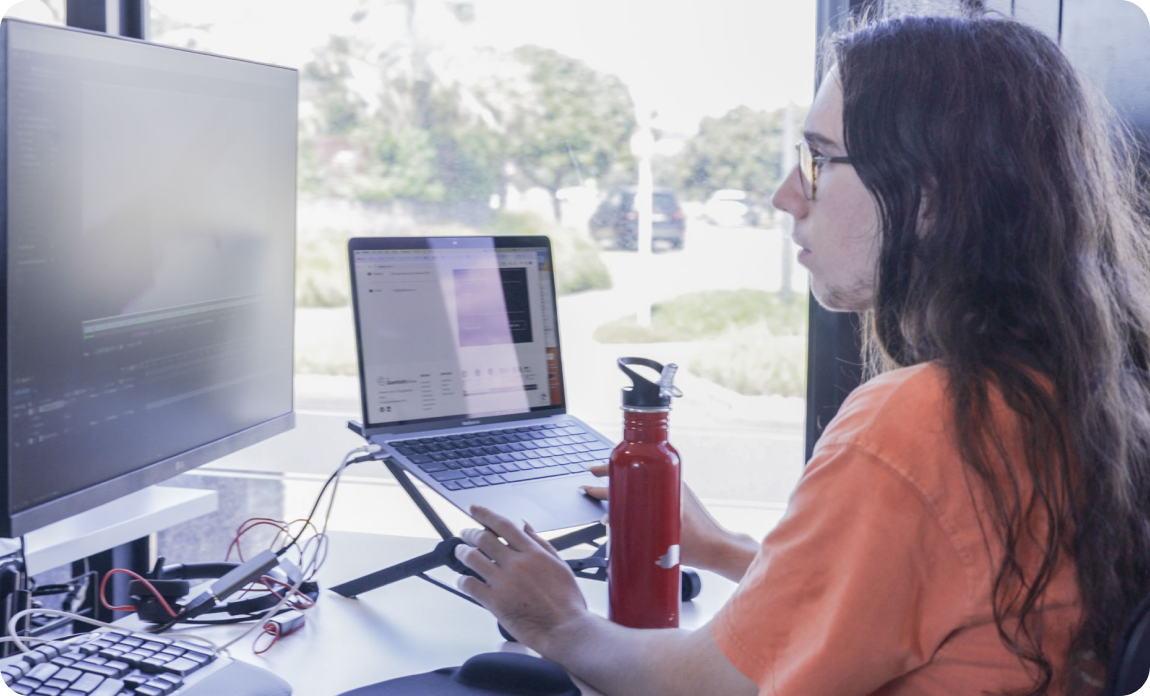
point(599, 469)
point(541, 541)
point(474, 588)
point(486, 541)
point(475, 559)
point(597, 492)
point(515, 537)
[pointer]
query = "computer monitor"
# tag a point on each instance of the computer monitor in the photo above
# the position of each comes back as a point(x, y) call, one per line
point(147, 223)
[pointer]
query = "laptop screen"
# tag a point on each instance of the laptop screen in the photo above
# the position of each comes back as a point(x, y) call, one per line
point(463, 328)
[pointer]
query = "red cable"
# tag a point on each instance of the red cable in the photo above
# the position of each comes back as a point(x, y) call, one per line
point(268, 581)
point(269, 628)
point(273, 629)
point(151, 588)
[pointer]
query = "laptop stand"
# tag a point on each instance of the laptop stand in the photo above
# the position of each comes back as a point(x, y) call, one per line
point(593, 567)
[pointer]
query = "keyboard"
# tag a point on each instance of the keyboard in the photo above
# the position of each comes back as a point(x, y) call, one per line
point(494, 457)
point(113, 663)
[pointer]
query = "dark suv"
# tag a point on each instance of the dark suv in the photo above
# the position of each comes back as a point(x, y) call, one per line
point(616, 222)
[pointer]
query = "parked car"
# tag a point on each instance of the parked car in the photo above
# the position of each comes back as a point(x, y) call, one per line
point(616, 221)
point(730, 208)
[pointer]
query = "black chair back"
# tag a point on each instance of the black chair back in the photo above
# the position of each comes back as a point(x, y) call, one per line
point(1131, 665)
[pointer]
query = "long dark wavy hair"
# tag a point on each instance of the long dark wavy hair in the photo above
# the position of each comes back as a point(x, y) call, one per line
point(1014, 253)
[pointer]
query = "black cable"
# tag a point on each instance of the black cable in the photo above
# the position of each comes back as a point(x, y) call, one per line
point(369, 456)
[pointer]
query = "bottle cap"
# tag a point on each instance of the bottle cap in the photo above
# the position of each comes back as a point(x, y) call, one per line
point(647, 394)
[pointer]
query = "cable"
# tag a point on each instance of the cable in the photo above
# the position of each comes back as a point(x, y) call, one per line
point(264, 619)
point(348, 460)
point(19, 641)
point(134, 576)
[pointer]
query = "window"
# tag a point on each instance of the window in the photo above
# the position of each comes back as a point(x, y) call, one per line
point(42, 11)
point(517, 117)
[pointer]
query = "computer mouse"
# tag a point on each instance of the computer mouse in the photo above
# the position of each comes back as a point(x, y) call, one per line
point(515, 673)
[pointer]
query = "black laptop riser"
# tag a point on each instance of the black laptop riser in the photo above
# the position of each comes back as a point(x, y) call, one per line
point(593, 567)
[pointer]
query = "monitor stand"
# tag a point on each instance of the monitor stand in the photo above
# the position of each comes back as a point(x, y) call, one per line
point(121, 521)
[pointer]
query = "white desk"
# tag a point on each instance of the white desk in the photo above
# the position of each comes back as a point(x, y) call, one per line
point(405, 628)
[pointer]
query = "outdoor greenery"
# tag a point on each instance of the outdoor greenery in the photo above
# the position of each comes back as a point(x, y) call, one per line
point(742, 149)
point(322, 265)
point(407, 116)
point(753, 360)
point(709, 314)
point(758, 339)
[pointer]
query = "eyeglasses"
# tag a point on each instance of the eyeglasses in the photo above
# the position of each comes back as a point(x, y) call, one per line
point(809, 166)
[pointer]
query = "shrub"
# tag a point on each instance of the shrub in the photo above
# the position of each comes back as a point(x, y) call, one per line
point(752, 360)
point(321, 269)
point(708, 314)
point(578, 266)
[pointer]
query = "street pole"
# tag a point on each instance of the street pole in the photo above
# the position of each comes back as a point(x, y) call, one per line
point(786, 294)
point(642, 145)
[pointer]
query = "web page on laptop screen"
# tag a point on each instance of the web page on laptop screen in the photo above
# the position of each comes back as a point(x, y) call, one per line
point(456, 333)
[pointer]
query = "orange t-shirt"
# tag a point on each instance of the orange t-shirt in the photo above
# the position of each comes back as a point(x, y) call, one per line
point(878, 579)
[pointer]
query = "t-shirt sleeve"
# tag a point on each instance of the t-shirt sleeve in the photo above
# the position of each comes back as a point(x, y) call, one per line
point(858, 584)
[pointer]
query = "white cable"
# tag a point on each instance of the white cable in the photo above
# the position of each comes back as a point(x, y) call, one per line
point(321, 537)
point(339, 475)
point(267, 615)
point(51, 612)
point(76, 617)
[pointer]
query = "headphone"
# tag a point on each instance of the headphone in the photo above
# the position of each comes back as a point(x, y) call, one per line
point(174, 582)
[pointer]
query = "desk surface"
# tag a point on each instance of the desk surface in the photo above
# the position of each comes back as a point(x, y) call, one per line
point(405, 628)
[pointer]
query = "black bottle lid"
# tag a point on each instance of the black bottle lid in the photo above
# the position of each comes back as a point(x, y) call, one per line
point(647, 394)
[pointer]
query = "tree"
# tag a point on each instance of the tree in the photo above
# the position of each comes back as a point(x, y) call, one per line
point(581, 126)
point(740, 150)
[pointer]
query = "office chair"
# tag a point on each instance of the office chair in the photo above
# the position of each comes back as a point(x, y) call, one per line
point(1131, 663)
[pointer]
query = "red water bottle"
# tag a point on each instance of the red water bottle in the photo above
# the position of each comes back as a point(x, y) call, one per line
point(643, 578)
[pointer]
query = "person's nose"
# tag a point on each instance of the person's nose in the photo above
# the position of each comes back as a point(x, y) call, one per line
point(789, 196)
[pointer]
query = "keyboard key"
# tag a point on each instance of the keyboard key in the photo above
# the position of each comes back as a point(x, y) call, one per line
point(110, 687)
point(452, 485)
point(42, 672)
point(535, 473)
point(182, 666)
point(495, 479)
point(448, 475)
point(433, 467)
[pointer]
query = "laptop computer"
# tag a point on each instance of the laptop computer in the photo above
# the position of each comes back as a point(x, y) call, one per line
point(461, 376)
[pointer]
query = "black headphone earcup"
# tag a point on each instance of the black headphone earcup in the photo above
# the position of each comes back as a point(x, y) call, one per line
point(171, 590)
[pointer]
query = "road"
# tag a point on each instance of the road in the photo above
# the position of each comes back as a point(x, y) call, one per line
point(712, 258)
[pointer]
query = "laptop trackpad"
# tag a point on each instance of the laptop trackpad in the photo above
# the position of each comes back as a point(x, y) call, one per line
point(546, 504)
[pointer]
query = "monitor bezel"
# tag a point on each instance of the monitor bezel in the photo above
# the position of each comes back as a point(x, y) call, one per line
point(15, 524)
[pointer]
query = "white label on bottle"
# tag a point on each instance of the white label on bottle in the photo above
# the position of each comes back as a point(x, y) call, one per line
point(670, 559)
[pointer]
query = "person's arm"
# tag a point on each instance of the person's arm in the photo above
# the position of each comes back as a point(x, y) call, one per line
point(534, 595)
point(705, 543)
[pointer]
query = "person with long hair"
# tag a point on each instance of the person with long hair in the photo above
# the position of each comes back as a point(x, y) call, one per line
point(976, 518)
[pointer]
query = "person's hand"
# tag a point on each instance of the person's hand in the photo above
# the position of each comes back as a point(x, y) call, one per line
point(704, 543)
point(525, 583)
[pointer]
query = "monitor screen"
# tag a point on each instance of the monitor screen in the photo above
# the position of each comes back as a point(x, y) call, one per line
point(149, 236)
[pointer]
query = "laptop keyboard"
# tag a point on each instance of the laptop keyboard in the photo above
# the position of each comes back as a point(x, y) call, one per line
point(494, 457)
